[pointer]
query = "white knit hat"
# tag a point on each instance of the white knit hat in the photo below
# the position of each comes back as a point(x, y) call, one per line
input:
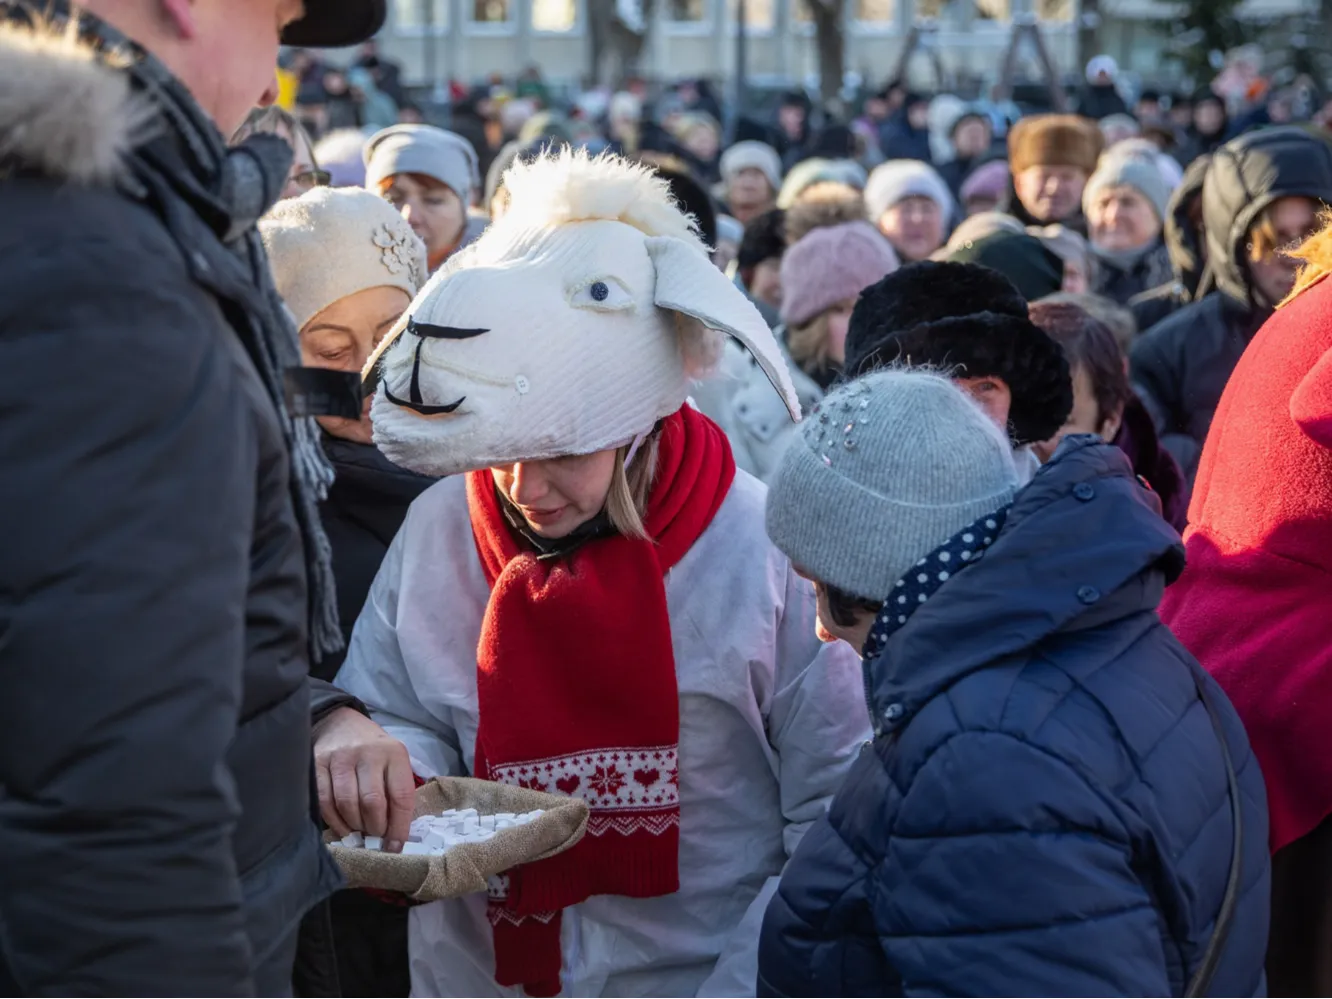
point(893, 182)
point(573, 325)
point(425, 149)
point(752, 155)
point(333, 242)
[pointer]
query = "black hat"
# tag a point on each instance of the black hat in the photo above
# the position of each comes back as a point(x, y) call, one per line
point(331, 24)
point(1032, 267)
point(693, 200)
point(970, 318)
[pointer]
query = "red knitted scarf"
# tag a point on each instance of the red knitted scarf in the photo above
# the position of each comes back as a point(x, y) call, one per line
point(577, 695)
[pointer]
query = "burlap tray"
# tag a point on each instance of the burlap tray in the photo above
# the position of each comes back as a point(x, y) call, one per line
point(463, 869)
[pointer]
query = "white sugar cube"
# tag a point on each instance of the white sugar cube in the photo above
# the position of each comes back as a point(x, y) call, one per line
point(353, 839)
point(415, 849)
point(374, 843)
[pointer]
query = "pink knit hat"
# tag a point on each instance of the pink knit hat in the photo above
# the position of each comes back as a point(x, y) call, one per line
point(830, 265)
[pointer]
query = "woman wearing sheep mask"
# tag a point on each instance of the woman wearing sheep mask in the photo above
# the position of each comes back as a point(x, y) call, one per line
point(524, 628)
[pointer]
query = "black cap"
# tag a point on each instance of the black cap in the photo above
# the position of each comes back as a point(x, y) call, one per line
point(334, 23)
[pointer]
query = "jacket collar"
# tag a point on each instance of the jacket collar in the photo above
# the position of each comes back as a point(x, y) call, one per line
point(1083, 545)
point(86, 104)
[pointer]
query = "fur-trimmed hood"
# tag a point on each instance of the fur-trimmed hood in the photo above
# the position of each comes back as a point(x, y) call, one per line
point(65, 110)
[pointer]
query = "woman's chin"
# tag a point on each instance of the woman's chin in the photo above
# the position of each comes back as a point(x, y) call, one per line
point(357, 431)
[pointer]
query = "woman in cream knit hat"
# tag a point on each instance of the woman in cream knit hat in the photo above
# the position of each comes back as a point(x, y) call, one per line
point(347, 265)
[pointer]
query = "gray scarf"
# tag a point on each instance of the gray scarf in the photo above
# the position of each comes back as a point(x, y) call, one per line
point(238, 186)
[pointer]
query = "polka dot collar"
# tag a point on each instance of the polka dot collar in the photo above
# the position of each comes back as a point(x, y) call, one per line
point(961, 550)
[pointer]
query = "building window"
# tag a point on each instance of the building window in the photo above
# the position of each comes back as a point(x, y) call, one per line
point(411, 15)
point(992, 10)
point(1054, 10)
point(800, 12)
point(933, 9)
point(687, 10)
point(879, 13)
point(760, 15)
point(554, 15)
point(491, 12)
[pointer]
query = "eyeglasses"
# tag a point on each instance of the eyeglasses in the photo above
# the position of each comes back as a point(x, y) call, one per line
point(309, 179)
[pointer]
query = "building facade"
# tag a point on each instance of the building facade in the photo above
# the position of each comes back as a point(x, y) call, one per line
point(468, 39)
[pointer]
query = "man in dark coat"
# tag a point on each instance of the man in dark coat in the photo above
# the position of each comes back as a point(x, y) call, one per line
point(166, 583)
point(1261, 194)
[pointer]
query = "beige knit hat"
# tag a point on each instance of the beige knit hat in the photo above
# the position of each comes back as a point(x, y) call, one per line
point(333, 242)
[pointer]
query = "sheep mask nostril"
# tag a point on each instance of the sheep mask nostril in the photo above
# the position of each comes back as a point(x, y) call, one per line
point(571, 326)
point(424, 332)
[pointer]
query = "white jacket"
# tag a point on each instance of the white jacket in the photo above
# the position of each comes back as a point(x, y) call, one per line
point(770, 721)
point(741, 400)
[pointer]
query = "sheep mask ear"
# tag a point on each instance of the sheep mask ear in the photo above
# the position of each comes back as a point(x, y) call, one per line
point(689, 283)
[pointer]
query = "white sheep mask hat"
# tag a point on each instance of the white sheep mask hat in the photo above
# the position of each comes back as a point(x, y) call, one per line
point(573, 325)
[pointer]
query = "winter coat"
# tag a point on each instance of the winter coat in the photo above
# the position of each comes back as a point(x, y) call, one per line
point(742, 401)
point(1099, 101)
point(1184, 243)
point(365, 507)
point(769, 723)
point(1252, 605)
point(1044, 810)
point(1120, 284)
point(899, 140)
point(155, 822)
point(1181, 366)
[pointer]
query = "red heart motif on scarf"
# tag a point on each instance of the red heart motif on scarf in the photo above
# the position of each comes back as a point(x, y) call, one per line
point(647, 777)
point(568, 784)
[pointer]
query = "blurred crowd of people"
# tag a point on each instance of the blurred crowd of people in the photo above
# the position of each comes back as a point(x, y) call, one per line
point(907, 535)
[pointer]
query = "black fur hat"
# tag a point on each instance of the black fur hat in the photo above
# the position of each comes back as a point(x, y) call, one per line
point(967, 318)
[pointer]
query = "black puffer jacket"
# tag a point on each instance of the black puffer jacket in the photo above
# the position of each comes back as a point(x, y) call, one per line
point(1184, 241)
point(365, 507)
point(155, 818)
point(1181, 367)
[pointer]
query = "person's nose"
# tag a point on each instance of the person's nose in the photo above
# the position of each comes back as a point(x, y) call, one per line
point(529, 484)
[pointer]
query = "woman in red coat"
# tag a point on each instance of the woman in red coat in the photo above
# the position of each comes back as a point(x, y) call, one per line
point(1255, 604)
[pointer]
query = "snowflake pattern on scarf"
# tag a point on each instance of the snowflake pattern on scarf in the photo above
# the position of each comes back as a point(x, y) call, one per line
point(964, 548)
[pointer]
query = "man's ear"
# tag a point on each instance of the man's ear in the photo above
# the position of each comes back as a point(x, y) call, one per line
point(181, 15)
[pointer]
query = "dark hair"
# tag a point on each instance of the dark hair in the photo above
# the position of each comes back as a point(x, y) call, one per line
point(1088, 344)
point(845, 608)
point(690, 195)
point(764, 239)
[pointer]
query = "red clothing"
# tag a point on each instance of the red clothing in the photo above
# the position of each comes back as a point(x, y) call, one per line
point(560, 713)
point(1255, 603)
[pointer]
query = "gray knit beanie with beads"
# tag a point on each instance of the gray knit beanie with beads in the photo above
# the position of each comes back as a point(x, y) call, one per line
point(889, 467)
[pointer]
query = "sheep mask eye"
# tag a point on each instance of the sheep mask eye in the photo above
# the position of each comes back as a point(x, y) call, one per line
point(606, 294)
point(572, 325)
